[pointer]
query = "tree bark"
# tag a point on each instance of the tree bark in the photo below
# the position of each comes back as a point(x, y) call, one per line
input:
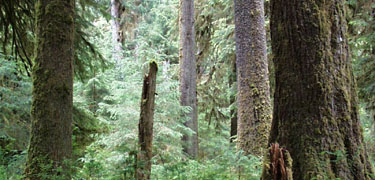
point(52, 104)
point(117, 35)
point(188, 75)
point(254, 104)
point(146, 123)
point(315, 110)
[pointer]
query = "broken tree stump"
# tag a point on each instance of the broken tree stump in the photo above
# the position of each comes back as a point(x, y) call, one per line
point(145, 134)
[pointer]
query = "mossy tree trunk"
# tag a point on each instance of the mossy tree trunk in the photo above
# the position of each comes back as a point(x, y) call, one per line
point(146, 123)
point(188, 85)
point(315, 110)
point(254, 104)
point(52, 104)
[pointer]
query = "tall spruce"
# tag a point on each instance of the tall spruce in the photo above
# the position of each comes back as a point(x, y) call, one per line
point(254, 104)
point(315, 109)
point(188, 86)
point(52, 76)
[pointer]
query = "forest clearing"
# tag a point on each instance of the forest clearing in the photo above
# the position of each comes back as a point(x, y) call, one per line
point(187, 90)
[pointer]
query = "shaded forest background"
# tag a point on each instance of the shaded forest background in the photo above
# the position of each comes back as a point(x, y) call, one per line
point(107, 91)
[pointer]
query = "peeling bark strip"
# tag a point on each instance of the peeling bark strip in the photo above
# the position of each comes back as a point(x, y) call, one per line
point(254, 104)
point(315, 110)
point(278, 164)
point(146, 123)
point(52, 76)
point(188, 86)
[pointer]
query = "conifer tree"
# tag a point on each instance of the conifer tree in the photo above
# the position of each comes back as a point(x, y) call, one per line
point(254, 104)
point(188, 86)
point(52, 76)
point(315, 110)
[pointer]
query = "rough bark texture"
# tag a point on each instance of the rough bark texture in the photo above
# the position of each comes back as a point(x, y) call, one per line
point(117, 36)
point(315, 111)
point(232, 100)
point(188, 75)
point(146, 122)
point(52, 104)
point(254, 105)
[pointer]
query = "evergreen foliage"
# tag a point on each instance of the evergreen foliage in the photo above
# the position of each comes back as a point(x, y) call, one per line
point(107, 96)
point(362, 29)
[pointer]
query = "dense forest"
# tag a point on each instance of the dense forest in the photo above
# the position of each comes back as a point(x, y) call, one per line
point(187, 89)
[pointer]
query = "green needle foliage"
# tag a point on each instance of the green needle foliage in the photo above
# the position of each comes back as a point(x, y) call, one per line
point(107, 95)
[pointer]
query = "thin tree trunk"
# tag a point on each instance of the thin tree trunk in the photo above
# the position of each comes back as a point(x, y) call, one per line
point(146, 123)
point(188, 75)
point(232, 100)
point(52, 104)
point(117, 36)
point(254, 104)
point(316, 113)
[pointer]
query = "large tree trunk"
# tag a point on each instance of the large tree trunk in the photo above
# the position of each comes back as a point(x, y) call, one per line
point(316, 113)
point(52, 104)
point(117, 36)
point(146, 122)
point(254, 104)
point(188, 75)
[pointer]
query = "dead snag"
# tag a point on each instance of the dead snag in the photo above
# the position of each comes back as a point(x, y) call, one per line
point(146, 124)
point(277, 164)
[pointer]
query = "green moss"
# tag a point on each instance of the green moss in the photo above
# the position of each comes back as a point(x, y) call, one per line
point(153, 62)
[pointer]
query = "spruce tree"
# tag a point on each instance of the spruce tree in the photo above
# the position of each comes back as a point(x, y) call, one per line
point(315, 109)
point(52, 76)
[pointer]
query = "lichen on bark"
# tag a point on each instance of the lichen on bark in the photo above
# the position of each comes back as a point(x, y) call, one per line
point(254, 104)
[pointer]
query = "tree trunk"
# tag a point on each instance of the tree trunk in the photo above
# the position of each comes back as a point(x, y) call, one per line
point(315, 110)
point(232, 100)
point(188, 85)
point(52, 104)
point(146, 123)
point(254, 104)
point(117, 36)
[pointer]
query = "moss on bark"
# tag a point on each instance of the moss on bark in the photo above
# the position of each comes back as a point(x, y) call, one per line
point(51, 111)
point(315, 108)
point(254, 104)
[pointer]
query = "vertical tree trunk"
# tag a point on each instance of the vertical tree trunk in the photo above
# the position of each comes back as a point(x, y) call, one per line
point(52, 104)
point(146, 123)
point(188, 75)
point(254, 104)
point(316, 114)
point(232, 100)
point(116, 31)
